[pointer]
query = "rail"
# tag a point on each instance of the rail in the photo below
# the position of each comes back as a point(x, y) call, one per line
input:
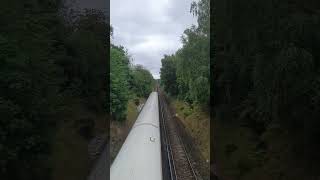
point(169, 151)
point(173, 175)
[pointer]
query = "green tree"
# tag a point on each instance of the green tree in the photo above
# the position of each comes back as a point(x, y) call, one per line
point(141, 82)
point(168, 74)
point(186, 73)
point(44, 64)
point(266, 71)
point(119, 75)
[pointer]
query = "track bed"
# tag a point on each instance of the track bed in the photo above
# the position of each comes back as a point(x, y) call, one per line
point(179, 166)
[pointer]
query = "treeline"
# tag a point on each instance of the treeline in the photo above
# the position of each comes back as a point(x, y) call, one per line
point(127, 82)
point(186, 73)
point(266, 72)
point(50, 60)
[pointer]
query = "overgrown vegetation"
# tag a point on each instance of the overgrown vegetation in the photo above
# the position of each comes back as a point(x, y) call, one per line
point(266, 89)
point(197, 124)
point(119, 76)
point(127, 81)
point(141, 81)
point(48, 65)
point(185, 74)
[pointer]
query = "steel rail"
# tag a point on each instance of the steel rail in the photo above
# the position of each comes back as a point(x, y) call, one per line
point(172, 170)
point(178, 136)
point(188, 158)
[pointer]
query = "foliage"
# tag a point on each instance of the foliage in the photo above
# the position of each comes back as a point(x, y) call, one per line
point(126, 80)
point(266, 75)
point(141, 81)
point(119, 75)
point(44, 64)
point(186, 73)
point(168, 74)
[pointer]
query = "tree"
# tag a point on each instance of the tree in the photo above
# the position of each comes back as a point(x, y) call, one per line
point(142, 81)
point(119, 75)
point(168, 74)
point(266, 71)
point(186, 73)
point(44, 64)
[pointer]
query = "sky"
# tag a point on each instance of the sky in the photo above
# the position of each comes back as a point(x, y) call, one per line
point(148, 29)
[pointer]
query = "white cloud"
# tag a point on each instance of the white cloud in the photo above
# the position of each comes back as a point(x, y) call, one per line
point(155, 43)
point(150, 28)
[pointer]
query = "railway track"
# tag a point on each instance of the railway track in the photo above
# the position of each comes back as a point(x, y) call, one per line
point(180, 166)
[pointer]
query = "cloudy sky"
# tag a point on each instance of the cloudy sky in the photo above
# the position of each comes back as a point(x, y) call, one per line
point(150, 28)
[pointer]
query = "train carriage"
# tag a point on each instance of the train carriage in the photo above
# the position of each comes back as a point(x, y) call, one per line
point(140, 156)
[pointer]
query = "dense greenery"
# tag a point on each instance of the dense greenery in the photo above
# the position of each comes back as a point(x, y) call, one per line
point(266, 88)
point(47, 64)
point(168, 74)
point(119, 75)
point(186, 73)
point(127, 80)
point(141, 81)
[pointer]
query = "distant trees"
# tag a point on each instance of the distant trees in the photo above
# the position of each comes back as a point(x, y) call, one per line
point(141, 81)
point(168, 74)
point(186, 73)
point(126, 79)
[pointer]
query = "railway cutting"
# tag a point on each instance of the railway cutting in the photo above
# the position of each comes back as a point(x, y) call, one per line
point(179, 166)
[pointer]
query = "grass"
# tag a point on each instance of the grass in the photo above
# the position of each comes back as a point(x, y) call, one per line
point(132, 113)
point(197, 123)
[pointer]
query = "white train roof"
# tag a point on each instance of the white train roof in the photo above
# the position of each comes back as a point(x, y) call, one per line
point(140, 156)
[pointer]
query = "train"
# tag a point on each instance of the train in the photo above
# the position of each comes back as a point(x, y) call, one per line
point(140, 155)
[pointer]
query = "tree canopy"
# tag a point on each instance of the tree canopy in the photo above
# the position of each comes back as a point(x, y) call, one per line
point(46, 66)
point(126, 80)
point(119, 75)
point(141, 82)
point(266, 81)
point(168, 74)
point(186, 73)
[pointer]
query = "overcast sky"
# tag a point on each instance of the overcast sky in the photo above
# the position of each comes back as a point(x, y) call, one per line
point(150, 28)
